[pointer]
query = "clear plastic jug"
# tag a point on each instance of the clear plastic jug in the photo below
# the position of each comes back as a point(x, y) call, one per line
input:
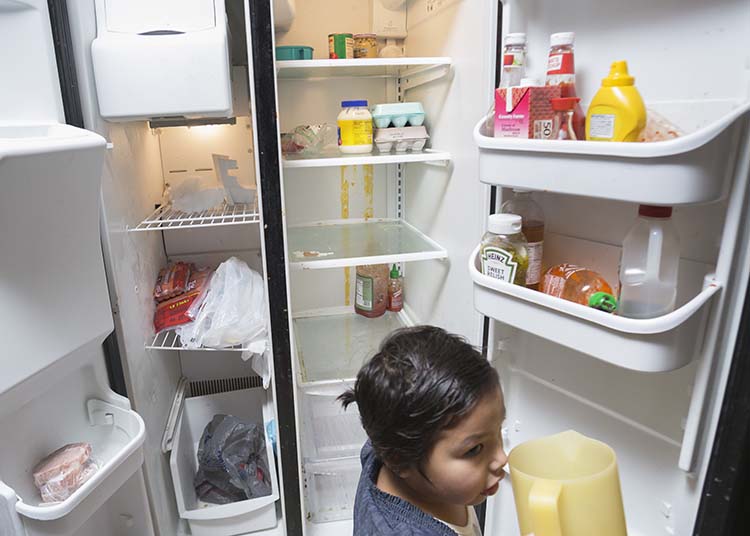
point(567, 485)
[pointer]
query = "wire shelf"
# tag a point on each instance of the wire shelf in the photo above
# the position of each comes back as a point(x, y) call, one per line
point(169, 340)
point(166, 217)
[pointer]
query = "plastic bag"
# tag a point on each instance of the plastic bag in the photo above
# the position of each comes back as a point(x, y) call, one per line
point(172, 313)
point(231, 311)
point(232, 461)
point(62, 472)
point(192, 195)
point(658, 128)
point(307, 139)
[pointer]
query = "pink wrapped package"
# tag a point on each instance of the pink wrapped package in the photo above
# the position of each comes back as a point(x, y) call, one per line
point(59, 474)
point(525, 112)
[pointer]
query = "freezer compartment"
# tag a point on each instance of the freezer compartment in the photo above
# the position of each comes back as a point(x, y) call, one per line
point(329, 431)
point(333, 344)
point(693, 168)
point(66, 414)
point(650, 345)
point(230, 519)
point(330, 488)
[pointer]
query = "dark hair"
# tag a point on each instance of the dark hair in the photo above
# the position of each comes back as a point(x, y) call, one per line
point(421, 381)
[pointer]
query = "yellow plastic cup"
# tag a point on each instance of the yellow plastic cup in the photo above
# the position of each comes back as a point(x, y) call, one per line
point(567, 485)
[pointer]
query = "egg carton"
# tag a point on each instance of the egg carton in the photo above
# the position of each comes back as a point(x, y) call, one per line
point(398, 114)
point(402, 138)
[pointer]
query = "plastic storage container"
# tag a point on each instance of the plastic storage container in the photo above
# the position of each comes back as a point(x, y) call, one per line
point(226, 519)
point(398, 114)
point(649, 266)
point(286, 53)
point(330, 432)
point(355, 127)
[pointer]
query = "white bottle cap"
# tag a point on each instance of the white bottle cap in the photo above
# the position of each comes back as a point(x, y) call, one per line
point(515, 39)
point(562, 38)
point(528, 82)
point(506, 224)
point(521, 191)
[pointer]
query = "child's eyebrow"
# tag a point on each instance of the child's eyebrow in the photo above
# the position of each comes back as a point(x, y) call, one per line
point(471, 439)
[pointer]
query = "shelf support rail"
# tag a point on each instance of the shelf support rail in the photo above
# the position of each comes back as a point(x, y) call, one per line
point(696, 419)
point(418, 76)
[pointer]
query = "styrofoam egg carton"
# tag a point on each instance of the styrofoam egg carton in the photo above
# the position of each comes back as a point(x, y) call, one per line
point(399, 114)
point(402, 138)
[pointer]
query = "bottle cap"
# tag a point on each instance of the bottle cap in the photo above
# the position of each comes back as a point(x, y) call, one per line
point(603, 301)
point(353, 103)
point(518, 38)
point(395, 274)
point(564, 104)
point(521, 191)
point(529, 82)
point(618, 75)
point(506, 224)
point(561, 39)
point(651, 211)
point(363, 35)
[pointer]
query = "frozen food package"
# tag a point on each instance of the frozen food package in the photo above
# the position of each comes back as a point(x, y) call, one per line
point(172, 281)
point(232, 461)
point(173, 312)
point(62, 472)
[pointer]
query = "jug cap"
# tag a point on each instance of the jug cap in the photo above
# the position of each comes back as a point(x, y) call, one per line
point(651, 211)
point(618, 75)
point(505, 224)
point(603, 301)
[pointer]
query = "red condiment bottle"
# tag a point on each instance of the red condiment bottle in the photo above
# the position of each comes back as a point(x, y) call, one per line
point(561, 72)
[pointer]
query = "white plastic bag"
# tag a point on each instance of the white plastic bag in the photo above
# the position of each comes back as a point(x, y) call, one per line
point(194, 195)
point(232, 311)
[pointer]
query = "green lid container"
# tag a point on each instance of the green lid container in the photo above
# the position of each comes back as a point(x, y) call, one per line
point(285, 53)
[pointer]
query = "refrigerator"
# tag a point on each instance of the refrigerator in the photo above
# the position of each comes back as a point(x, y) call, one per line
point(107, 102)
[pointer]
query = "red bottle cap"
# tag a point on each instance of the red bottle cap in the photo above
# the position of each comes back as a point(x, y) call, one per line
point(564, 104)
point(651, 211)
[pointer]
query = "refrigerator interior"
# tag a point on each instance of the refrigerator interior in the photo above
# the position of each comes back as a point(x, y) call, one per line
point(441, 200)
point(138, 240)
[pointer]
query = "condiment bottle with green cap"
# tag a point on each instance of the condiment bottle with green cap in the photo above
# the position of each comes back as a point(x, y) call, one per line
point(617, 112)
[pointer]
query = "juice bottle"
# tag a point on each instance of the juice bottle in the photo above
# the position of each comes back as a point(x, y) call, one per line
point(371, 299)
point(532, 227)
point(561, 72)
point(617, 112)
point(574, 283)
point(395, 290)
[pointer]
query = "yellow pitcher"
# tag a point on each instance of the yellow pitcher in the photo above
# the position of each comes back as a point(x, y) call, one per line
point(567, 485)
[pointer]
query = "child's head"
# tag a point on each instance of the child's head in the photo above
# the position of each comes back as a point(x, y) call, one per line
point(432, 407)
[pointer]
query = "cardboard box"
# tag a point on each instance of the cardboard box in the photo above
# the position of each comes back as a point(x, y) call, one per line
point(525, 112)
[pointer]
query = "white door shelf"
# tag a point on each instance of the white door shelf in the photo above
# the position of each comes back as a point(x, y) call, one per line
point(330, 488)
point(333, 159)
point(693, 168)
point(650, 345)
point(116, 436)
point(332, 344)
point(166, 218)
point(404, 68)
point(340, 243)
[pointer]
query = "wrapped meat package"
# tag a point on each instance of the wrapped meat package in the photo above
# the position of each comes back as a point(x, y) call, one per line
point(61, 473)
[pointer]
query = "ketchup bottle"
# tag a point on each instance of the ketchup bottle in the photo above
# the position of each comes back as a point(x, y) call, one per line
point(561, 72)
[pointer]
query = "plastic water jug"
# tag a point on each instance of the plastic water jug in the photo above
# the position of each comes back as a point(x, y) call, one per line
point(567, 485)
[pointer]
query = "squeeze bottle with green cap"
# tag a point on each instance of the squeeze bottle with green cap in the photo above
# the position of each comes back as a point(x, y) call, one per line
point(617, 112)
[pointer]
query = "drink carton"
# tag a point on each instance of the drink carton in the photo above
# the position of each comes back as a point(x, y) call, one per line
point(525, 111)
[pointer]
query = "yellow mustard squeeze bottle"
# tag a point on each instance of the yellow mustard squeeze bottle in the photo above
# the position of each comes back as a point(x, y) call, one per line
point(617, 112)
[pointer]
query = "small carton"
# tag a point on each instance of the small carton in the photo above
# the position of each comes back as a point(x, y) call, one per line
point(525, 112)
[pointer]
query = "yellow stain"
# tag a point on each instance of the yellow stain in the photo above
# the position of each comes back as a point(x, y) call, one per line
point(369, 209)
point(345, 215)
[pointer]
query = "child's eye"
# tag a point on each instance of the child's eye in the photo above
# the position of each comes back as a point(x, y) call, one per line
point(474, 451)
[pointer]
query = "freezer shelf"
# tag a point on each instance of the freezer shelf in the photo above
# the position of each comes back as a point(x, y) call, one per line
point(166, 218)
point(359, 68)
point(169, 340)
point(339, 243)
point(694, 168)
point(333, 159)
point(330, 488)
point(648, 345)
point(332, 344)
point(329, 431)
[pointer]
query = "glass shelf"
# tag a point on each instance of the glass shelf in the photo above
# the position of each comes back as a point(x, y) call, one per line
point(360, 68)
point(331, 159)
point(332, 344)
point(340, 243)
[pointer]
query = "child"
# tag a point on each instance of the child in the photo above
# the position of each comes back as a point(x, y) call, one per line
point(432, 408)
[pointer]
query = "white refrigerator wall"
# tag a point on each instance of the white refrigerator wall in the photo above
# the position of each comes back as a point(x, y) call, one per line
point(131, 184)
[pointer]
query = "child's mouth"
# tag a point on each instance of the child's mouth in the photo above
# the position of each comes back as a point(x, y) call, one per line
point(491, 490)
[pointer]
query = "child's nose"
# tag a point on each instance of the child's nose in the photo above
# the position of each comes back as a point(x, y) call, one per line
point(499, 461)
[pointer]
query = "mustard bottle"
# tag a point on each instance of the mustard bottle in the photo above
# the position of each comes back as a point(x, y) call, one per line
point(617, 112)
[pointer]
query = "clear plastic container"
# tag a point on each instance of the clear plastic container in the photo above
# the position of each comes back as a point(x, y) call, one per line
point(514, 60)
point(574, 283)
point(504, 252)
point(355, 127)
point(649, 265)
point(532, 227)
